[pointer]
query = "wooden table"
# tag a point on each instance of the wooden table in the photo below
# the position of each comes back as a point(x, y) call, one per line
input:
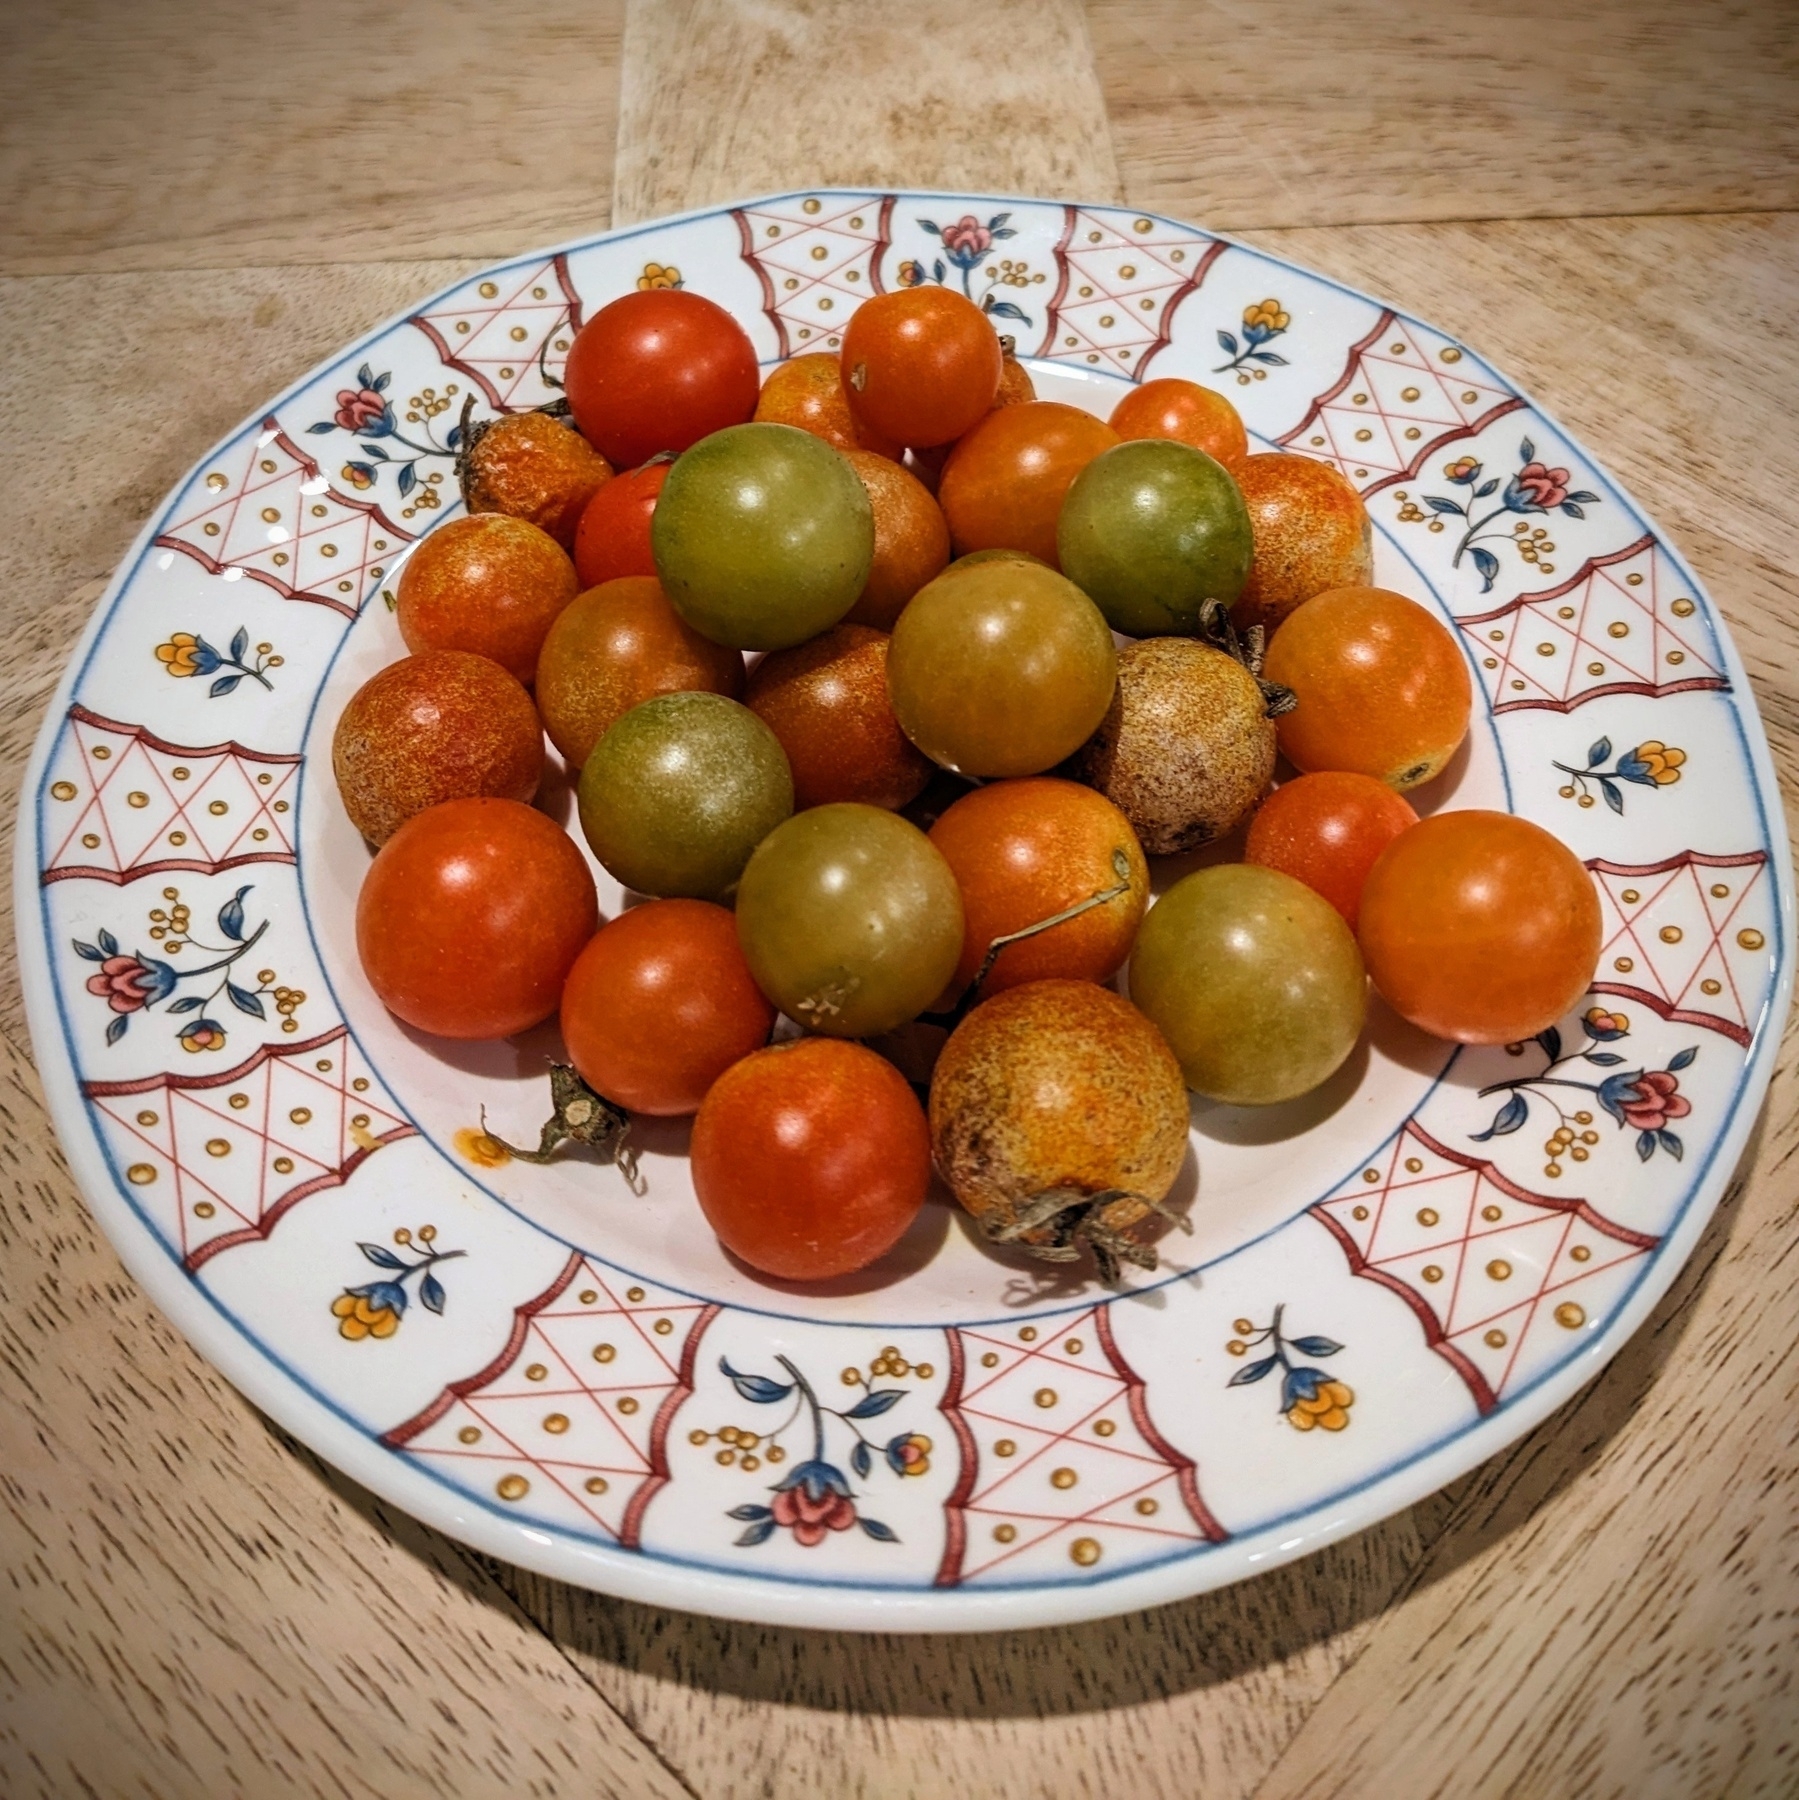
point(198, 198)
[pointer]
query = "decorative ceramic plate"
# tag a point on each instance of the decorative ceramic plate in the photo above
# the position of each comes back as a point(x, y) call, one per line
point(1386, 1282)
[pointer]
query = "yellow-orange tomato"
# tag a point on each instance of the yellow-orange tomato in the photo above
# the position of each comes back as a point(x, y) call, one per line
point(1311, 534)
point(911, 539)
point(489, 583)
point(1003, 486)
point(531, 466)
point(807, 391)
point(1480, 927)
point(1024, 851)
point(1383, 688)
point(1186, 412)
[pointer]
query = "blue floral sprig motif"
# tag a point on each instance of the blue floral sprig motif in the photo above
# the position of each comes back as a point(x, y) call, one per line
point(1643, 1100)
point(133, 984)
point(1264, 320)
point(1535, 488)
point(966, 245)
point(375, 1309)
point(1652, 764)
point(1310, 1399)
point(815, 1497)
point(366, 411)
point(187, 654)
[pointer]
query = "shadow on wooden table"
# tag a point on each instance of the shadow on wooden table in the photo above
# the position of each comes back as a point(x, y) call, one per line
point(1310, 1607)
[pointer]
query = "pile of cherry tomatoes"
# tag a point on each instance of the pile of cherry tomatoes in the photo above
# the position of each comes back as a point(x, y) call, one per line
point(1006, 652)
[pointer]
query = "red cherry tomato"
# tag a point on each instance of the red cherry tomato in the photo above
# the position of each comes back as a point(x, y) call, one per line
point(613, 538)
point(1480, 926)
point(660, 1004)
point(921, 365)
point(659, 370)
point(811, 1158)
point(1327, 830)
point(471, 916)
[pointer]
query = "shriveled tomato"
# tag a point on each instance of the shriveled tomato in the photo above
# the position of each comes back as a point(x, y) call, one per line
point(1383, 688)
point(471, 917)
point(1480, 927)
point(1004, 483)
point(1025, 851)
point(811, 1158)
point(613, 538)
point(659, 370)
point(1186, 412)
point(1327, 830)
point(535, 467)
point(921, 365)
point(660, 1004)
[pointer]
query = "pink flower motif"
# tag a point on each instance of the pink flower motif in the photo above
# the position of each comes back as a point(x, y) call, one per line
point(125, 983)
point(1546, 487)
point(968, 237)
point(810, 1519)
point(1659, 1100)
point(359, 408)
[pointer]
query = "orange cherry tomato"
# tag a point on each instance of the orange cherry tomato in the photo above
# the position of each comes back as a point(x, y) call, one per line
point(1383, 688)
point(811, 1158)
point(471, 917)
point(613, 538)
point(660, 1004)
point(1480, 927)
point(1023, 851)
point(921, 365)
point(1327, 830)
point(533, 467)
point(1186, 412)
point(911, 539)
point(807, 391)
point(1311, 534)
point(1003, 486)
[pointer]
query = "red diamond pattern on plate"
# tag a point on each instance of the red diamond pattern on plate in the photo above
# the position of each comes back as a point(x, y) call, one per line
point(505, 330)
point(817, 259)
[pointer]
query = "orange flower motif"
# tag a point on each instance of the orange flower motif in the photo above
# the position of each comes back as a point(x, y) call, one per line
point(1462, 469)
point(659, 275)
point(1328, 1408)
point(1661, 762)
point(1269, 315)
point(358, 1318)
point(358, 475)
point(181, 654)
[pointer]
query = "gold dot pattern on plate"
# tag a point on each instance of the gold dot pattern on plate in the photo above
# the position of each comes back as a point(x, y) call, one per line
point(1432, 1272)
point(469, 1434)
point(634, 1294)
point(555, 1423)
point(512, 1487)
point(1570, 1316)
point(1004, 1447)
point(1499, 1270)
point(1085, 1551)
point(1495, 1339)
point(1580, 1253)
point(627, 1405)
point(1063, 1478)
point(1045, 1397)
point(1103, 1428)
point(1427, 1215)
point(595, 1484)
point(1004, 1534)
point(536, 1372)
point(140, 1174)
point(1750, 939)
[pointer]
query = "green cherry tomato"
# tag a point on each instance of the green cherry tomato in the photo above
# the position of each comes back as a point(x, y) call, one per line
point(1151, 528)
point(1004, 668)
point(850, 919)
point(1255, 981)
point(679, 792)
point(763, 536)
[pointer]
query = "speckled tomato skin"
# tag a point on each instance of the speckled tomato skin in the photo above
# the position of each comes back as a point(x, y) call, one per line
point(1186, 749)
point(826, 700)
point(614, 647)
point(490, 584)
point(911, 539)
point(1057, 1084)
point(443, 725)
point(1311, 533)
point(530, 466)
point(807, 391)
point(1023, 851)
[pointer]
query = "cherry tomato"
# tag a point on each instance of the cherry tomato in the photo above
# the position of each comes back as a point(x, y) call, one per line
point(444, 725)
point(1000, 669)
point(1311, 534)
point(1327, 830)
point(613, 538)
point(1480, 927)
point(921, 365)
point(1003, 485)
point(660, 1004)
point(1255, 981)
point(659, 370)
point(1024, 851)
point(811, 1158)
point(827, 702)
point(615, 647)
point(490, 584)
point(534, 467)
point(807, 391)
point(471, 917)
point(1383, 688)
point(851, 920)
point(911, 539)
point(1186, 412)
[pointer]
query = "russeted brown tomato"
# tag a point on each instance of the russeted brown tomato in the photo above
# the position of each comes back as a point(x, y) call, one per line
point(1027, 851)
point(531, 466)
point(660, 1004)
point(921, 364)
point(614, 647)
point(490, 584)
point(811, 1158)
point(1311, 534)
point(807, 391)
point(1327, 830)
point(442, 725)
point(911, 539)
point(471, 917)
point(613, 537)
point(826, 701)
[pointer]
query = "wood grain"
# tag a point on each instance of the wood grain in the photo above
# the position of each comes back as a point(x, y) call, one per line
point(1290, 113)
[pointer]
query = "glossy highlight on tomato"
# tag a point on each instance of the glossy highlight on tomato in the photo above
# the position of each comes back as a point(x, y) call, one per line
point(921, 365)
point(1328, 830)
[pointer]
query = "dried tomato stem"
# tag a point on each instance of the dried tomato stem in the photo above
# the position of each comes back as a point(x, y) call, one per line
point(1121, 867)
point(1216, 629)
point(1075, 1216)
point(583, 1117)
